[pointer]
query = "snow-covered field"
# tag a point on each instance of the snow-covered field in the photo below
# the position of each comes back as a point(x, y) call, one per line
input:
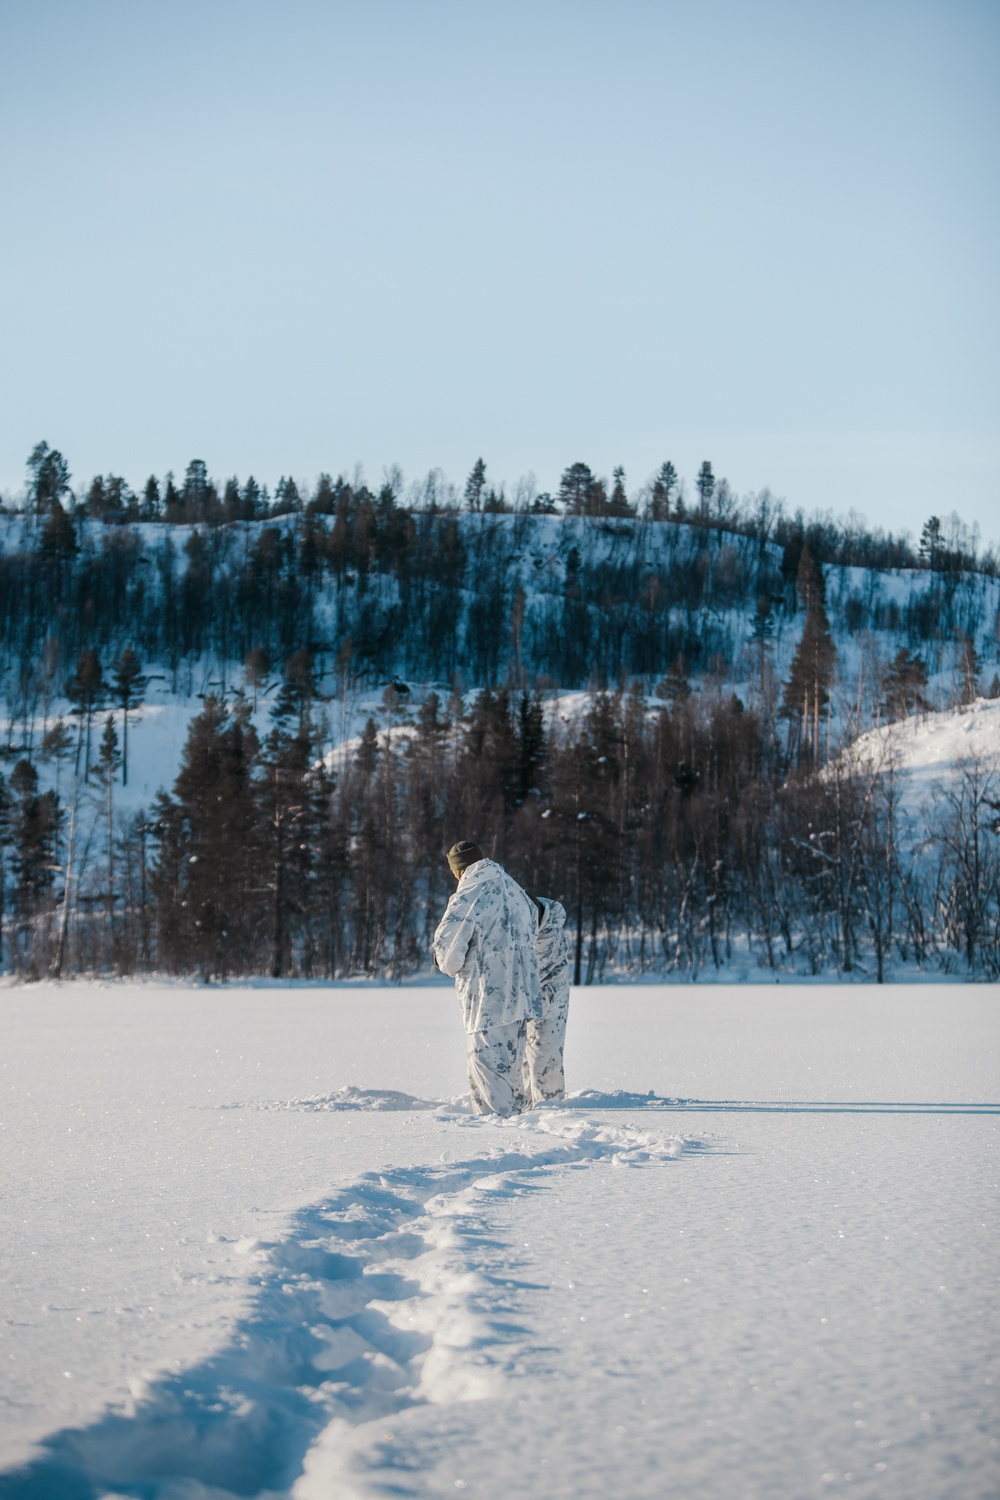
point(253, 1244)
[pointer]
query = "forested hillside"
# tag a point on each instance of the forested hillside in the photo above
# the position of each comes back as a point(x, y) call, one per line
point(635, 703)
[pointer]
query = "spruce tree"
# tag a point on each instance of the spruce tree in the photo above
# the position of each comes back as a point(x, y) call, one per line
point(36, 823)
point(288, 837)
point(531, 745)
point(676, 685)
point(59, 544)
point(367, 754)
point(206, 875)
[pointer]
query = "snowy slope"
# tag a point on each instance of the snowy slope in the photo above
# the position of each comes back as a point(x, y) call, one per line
point(733, 570)
point(260, 1247)
point(929, 751)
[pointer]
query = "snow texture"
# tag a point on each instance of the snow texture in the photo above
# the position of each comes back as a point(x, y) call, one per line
point(929, 751)
point(753, 1255)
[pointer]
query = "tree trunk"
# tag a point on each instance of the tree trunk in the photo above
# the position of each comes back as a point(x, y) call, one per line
point(61, 944)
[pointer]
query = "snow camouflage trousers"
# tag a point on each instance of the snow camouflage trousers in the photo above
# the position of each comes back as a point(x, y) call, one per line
point(496, 1067)
point(543, 1052)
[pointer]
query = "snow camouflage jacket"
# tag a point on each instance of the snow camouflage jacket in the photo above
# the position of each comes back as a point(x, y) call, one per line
point(552, 952)
point(486, 942)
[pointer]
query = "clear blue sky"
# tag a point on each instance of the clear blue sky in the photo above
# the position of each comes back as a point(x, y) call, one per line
point(297, 236)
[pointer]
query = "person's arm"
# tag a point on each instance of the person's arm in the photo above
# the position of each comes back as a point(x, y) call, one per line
point(454, 935)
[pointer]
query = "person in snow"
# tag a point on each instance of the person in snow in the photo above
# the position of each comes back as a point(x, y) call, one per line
point(544, 1077)
point(486, 942)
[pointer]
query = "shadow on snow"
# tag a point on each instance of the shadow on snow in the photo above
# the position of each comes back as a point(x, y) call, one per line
point(320, 1343)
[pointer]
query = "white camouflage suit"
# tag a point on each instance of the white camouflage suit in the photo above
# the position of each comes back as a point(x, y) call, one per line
point(543, 1054)
point(486, 942)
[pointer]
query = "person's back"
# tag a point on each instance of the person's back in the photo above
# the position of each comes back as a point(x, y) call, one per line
point(485, 942)
point(546, 1035)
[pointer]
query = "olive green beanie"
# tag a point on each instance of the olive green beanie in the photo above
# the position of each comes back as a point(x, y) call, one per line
point(462, 855)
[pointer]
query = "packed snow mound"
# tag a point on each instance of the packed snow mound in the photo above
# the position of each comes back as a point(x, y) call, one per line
point(346, 1098)
point(932, 749)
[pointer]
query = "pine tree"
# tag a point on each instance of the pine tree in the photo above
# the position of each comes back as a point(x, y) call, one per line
point(287, 500)
point(969, 667)
point(297, 693)
point(103, 772)
point(173, 505)
point(576, 489)
point(195, 491)
point(59, 544)
point(762, 633)
point(256, 670)
point(930, 543)
point(49, 478)
point(475, 484)
point(575, 631)
point(618, 505)
point(904, 685)
point(128, 688)
point(705, 485)
point(85, 691)
point(150, 510)
point(807, 696)
point(517, 613)
point(810, 584)
point(663, 488)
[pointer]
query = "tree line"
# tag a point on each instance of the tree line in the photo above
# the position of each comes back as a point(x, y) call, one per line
point(200, 500)
point(678, 838)
point(375, 588)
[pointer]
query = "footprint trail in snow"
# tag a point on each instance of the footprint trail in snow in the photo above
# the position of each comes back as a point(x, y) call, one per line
point(392, 1293)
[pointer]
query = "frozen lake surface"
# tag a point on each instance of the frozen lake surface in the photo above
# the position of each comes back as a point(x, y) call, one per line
point(254, 1244)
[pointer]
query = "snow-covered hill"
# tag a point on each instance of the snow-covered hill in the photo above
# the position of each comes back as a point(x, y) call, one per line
point(929, 752)
point(505, 674)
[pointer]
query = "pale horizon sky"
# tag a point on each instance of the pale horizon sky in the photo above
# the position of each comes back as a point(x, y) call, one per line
point(287, 239)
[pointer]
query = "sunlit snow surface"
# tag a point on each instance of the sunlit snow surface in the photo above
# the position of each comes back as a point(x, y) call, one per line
point(929, 751)
point(255, 1244)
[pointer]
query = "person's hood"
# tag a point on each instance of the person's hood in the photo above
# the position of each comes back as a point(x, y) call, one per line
point(555, 914)
point(482, 870)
